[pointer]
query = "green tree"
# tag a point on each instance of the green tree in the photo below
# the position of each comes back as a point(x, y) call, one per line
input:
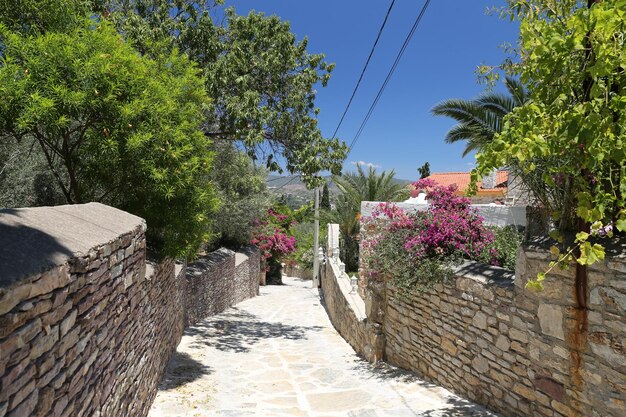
point(572, 57)
point(243, 193)
point(113, 126)
point(39, 16)
point(325, 202)
point(25, 179)
point(261, 78)
point(370, 186)
point(424, 170)
point(356, 188)
point(480, 119)
point(153, 24)
point(348, 220)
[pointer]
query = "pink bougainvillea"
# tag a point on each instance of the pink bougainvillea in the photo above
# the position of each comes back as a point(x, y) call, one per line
point(449, 228)
point(275, 243)
point(272, 236)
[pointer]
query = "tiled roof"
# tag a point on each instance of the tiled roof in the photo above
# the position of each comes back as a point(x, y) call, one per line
point(462, 180)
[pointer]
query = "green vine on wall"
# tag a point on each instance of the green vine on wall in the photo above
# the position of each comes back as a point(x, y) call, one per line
point(572, 59)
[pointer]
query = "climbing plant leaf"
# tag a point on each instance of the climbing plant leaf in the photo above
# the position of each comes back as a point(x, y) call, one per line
point(571, 57)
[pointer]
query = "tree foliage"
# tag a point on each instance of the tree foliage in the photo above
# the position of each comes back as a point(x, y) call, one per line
point(25, 179)
point(153, 24)
point(424, 170)
point(261, 78)
point(242, 190)
point(572, 57)
point(40, 16)
point(370, 186)
point(325, 201)
point(480, 119)
point(116, 106)
point(355, 188)
point(113, 126)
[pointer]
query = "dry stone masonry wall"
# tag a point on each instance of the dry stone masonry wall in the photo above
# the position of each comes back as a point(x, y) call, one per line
point(521, 353)
point(86, 328)
point(297, 271)
point(206, 292)
point(345, 308)
point(219, 280)
point(517, 351)
point(247, 265)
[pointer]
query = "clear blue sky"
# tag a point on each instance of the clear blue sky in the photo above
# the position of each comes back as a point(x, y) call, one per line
point(454, 37)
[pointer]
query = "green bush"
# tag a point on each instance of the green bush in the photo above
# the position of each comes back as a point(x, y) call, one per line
point(570, 57)
point(242, 190)
point(349, 252)
point(507, 241)
point(114, 126)
point(303, 256)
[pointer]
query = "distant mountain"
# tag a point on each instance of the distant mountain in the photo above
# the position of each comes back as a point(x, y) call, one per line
point(295, 193)
point(281, 184)
point(280, 181)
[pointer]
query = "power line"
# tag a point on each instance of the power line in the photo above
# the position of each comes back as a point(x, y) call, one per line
point(287, 183)
point(356, 87)
point(275, 179)
point(391, 71)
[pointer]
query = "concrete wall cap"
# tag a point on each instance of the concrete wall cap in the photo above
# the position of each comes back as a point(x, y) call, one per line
point(485, 274)
point(34, 240)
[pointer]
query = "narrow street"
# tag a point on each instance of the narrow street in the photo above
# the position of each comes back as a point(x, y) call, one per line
point(279, 355)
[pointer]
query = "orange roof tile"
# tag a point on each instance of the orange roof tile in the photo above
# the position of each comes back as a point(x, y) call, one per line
point(462, 181)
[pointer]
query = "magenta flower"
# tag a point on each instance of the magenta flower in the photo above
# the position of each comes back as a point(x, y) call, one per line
point(450, 227)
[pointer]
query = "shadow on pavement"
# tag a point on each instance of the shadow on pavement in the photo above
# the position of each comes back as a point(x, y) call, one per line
point(237, 330)
point(181, 370)
point(458, 407)
point(384, 372)
point(455, 406)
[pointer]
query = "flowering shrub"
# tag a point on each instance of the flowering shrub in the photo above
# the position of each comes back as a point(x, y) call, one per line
point(275, 243)
point(303, 255)
point(420, 249)
point(450, 226)
point(274, 239)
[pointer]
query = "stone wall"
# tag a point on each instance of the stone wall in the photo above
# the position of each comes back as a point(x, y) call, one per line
point(461, 336)
point(296, 271)
point(206, 290)
point(345, 307)
point(247, 266)
point(488, 338)
point(86, 324)
point(521, 353)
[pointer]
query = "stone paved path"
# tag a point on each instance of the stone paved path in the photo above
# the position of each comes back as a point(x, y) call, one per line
point(279, 355)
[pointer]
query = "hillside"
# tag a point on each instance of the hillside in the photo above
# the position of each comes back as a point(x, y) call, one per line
point(296, 192)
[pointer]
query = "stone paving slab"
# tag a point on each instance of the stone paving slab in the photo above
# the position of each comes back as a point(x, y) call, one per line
point(279, 355)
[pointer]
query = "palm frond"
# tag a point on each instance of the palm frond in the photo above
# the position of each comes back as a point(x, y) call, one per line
point(497, 103)
point(481, 118)
point(464, 111)
point(517, 91)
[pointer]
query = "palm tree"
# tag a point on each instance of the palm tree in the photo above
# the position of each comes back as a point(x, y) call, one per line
point(370, 186)
point(355, 188)
point(348, 220)
point(481, 118)
point(479, 121)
